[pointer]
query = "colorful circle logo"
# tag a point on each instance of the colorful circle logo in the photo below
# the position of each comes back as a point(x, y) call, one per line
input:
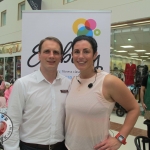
point(85, 27)
point(6, 127)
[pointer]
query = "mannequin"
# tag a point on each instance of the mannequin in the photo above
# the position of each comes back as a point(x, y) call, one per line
point(121, 75)
point(130, 70)
point(141, 72)
point(130, 63)
point(142, 63)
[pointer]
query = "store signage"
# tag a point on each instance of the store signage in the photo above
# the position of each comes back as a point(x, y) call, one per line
point(35, 4)
point(65, 26)
point(10, 49)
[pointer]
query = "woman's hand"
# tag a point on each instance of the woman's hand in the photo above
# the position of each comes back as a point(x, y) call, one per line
point(109, 144)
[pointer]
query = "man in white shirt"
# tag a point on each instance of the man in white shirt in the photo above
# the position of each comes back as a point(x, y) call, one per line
point(36, 104)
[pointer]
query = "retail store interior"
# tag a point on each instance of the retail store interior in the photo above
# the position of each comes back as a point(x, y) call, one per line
point(130, 50)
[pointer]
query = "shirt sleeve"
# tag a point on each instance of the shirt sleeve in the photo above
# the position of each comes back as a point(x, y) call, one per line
point(144, 81)
point(15, 111)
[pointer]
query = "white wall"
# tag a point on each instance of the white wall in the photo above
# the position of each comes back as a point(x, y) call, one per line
point(122, 10)
point(11, 32)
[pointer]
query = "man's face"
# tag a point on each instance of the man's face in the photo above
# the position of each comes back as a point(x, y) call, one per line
point(50, 55)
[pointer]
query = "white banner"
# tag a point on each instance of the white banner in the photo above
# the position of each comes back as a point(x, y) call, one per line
point(65, 25)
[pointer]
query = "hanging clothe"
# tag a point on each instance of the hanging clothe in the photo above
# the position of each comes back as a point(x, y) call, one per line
point(141, 72)
point(129, 73)
point(121, 76)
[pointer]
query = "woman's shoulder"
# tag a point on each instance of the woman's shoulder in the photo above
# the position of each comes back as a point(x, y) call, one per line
point(102, 73)
point(110, 80)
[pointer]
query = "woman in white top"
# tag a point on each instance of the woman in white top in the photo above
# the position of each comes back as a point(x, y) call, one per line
point(90, 102)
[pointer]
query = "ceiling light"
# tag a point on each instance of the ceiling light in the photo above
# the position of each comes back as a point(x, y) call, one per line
point(121, 51)
point(140, 50)
point(118, 55)
point(127, 57)
point(111, 48)
point(132, 53)
point(147, 53)
point(115, 50)
point(127, 46)
point(144, 56)
point(148, 58)
point(119, 25)
point(141, 22)
point(134, 56)
point(129, 39)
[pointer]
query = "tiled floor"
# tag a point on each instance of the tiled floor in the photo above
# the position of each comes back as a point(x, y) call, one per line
point(139, 129)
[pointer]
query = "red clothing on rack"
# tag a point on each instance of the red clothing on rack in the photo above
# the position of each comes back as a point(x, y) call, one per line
point(129, 73)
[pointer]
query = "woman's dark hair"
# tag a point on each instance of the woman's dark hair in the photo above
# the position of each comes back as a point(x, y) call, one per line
point(90, 39)
point(51, 39)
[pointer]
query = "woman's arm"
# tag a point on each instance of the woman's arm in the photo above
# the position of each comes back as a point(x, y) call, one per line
point(115, 90)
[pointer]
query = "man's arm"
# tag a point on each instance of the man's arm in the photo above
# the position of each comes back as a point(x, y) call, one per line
point(15, 111)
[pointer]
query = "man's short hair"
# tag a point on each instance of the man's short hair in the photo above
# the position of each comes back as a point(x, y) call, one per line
point(51, 39)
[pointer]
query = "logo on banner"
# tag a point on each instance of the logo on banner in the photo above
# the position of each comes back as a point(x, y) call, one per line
point(85, 27)
point(80, 26)
point(6, 127)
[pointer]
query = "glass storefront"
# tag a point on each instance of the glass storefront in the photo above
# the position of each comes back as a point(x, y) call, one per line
point(130, 44)
point(9, 68)
point(10, 61)
point(1, 66)
point(130, 55)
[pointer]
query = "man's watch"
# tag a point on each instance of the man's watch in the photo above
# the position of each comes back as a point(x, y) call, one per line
point(121, 138)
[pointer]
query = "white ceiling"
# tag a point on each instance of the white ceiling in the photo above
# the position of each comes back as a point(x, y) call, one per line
point(140, 39)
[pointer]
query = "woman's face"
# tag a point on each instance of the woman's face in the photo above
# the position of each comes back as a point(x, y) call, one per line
point(83, 56)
